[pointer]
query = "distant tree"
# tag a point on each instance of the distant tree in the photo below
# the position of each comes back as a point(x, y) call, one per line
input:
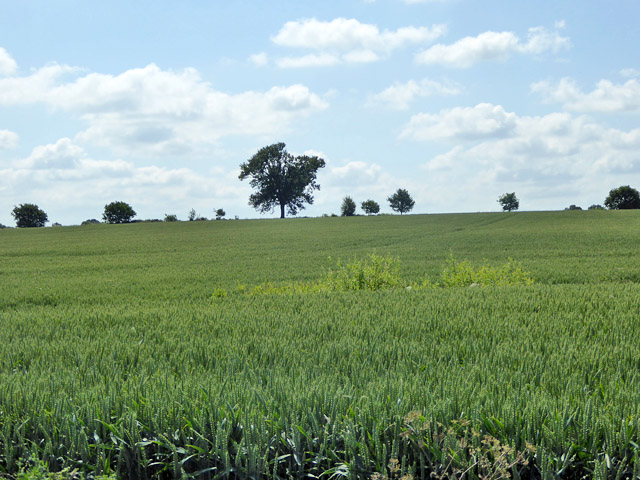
point(2, 227)
point(91, 221)
point(596, 207)
point(170, 217)
point(56, 224)
point(401, 201)
point(220, 213)
point(280, 179)
point(118, 212)
point(509, 202)
point(192, 215)
point(348, 208)
point(623, 198)
point(29, 215)
point(573, 207)
point(370, 207)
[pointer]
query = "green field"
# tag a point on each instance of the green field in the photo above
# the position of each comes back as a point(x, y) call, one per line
point(146, 350)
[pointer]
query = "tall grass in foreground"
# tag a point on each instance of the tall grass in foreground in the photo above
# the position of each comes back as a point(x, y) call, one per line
point(328, 384)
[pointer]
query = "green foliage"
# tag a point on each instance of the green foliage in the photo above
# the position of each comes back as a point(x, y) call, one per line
point(220, 214)
point(118, 212)
point(596, 207)
point(29, 215)
point(623, 198)
point(370, 207)
point(348, 207)
point(509, 202)
point(170, 218)
point(463, 274)
point(375, 272)
point(91, 221)
point(573, 207)
point(280, 179)
point(401, 201)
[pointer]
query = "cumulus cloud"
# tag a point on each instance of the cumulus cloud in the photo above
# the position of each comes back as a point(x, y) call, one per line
point(468, 51)
point(8, 139)
point(159, 111)
point(8, 65)
point(400, 95)
point(346, 40)
point(63, 173)
point(606, 97)
point(507, 147)
point(461, 124)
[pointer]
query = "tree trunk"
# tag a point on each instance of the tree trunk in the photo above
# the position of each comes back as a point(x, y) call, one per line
point(282, 210)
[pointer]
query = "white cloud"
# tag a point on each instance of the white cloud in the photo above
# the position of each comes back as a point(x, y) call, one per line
point(154, 111)
point(8, 65)
point(630, 72)
point(259, 59)
point(468, 51)
point(63, 174)
point(461, 124)
point(8, 139)
point(311, 60)
point(400, 95)
point(606, 97)
point(347, 40)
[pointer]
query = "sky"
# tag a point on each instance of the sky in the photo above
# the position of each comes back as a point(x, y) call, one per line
point(157, 103)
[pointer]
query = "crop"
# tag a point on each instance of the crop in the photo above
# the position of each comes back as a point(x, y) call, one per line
point(138, 351)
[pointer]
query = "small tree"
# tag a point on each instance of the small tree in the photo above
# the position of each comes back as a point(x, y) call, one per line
point(220, 213)
point(623, 198)
point(169, 217)
point(509, 202)
point(118, 212)
point(90, 221)
point(29, 215)
point(370, 207)
point(596, 207)
point(348, 208)
point(401, 201)
point(573, 207)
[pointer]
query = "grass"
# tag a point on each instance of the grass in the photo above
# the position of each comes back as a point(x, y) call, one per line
point(120, 359)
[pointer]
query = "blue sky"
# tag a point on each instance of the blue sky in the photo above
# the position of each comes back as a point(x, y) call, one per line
point(157, 103)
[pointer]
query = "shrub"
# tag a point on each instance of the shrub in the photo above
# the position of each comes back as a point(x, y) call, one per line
point(463, 274)
point(91, 221)
point(373, 273)
point(170, 218)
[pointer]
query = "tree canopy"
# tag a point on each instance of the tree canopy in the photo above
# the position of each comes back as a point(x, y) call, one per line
point(118, 212)
point(348, 208)
point(280, 179)
point(401, 201)
point(509, 202)
point(623, 198)
point(29, 215)
point(370, 207)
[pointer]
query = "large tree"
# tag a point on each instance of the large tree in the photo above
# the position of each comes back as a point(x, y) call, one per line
point(118, 212)
point(280, 179)
point(29, 215)
point(509, 202)
point(623, 198)
point(401, 201)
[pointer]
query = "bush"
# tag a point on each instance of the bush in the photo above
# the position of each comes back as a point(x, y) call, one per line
point(91, 221)
point(118, 212)
point(170, 218)
point(463, 274)
point(596, 207)
point(373, 273)
point(573, 207)
point(29, 215)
